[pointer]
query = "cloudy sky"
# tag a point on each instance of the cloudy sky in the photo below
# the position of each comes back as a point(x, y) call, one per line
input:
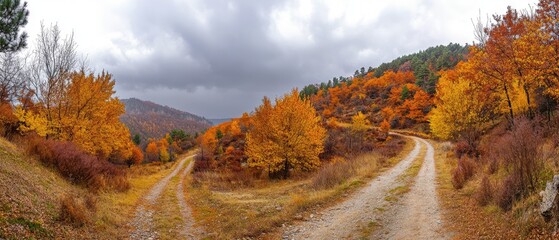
point(219, 58)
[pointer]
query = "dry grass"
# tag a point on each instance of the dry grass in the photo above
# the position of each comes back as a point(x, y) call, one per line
point(30, 198)
point(260, 211)
point(75, 211)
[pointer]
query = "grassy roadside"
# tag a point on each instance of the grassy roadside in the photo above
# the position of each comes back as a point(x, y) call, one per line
point(261, 211)
point(466, 219)
point(115, 210)
point(167, 218)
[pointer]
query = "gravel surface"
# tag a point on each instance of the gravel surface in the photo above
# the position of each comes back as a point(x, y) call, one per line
point(347, 219)
point(417, 215)
point(188, 231)
point(142, 223)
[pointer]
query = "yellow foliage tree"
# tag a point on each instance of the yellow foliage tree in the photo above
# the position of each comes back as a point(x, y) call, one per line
point(464, 106)
point(359, 122)
point(286, 135)
point(87, 115)
point(30, 121)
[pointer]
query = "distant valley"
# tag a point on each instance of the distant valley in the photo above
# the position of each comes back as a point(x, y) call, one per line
point(151, 120)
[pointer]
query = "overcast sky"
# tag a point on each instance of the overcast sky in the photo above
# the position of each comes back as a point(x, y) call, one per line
point(219, 58)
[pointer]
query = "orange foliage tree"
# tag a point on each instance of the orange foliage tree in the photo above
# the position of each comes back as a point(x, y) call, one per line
point(152, 152)
point(87, 115)
point(286, 135)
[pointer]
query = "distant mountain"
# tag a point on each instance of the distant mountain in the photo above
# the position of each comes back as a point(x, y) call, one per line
point(152, 120)
point(217, 121)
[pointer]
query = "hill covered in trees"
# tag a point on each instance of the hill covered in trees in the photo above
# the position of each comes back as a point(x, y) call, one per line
point(424, 64)
point(399, 92)
point(151, 120)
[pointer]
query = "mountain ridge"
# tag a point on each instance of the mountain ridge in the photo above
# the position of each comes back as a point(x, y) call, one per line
point(153, 120)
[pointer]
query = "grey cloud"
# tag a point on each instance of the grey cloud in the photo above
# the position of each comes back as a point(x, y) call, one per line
point(227, 55)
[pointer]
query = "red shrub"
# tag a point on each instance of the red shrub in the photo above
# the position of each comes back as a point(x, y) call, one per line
point(485, 192)
point(202, 163)
point(520, 151)
point(77, 166)
point(509, 191)
point(463, 172)
point(493, 166)
point(463, 147)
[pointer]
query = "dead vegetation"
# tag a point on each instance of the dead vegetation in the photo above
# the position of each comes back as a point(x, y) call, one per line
point(77, 166)
point(496, 195)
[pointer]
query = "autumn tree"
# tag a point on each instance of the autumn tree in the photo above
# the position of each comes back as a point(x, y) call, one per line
point(14, 16)
point(86, 103)
point(286, 135)
point(358, 129)
point(12, 84)
point(152, 152)
point(137, 156)
point(547, 40)
point(53, 60)
point(465, 105)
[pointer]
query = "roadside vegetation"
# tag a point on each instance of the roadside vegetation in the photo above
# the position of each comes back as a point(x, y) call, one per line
point(257, 206)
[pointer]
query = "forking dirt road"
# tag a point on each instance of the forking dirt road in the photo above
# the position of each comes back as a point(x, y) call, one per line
point(368, 213)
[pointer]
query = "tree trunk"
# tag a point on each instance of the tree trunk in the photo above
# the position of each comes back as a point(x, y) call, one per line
point(510, 104)
point(286, 169)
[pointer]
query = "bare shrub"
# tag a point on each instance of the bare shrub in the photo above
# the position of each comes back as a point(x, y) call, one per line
point(91, 201)
point(484, 193)
point(463, 172)
point(202, 162)
point(73, 210)
point(493, 166)
point(465, 148)
point(521, 153)
point(508, 192)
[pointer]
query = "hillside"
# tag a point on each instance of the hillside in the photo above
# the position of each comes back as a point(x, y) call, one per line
point(30, 199)
point(424, 64)
point(152, 120)
point(399, 92)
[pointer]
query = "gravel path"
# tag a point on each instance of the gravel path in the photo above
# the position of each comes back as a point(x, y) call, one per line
point(417, 215)
point(143, 221)
point(188, 230)
point(347, 219)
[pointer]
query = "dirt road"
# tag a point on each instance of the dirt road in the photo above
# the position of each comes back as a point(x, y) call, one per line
point(367, 214)
point(417, 215)
point(142, 223)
